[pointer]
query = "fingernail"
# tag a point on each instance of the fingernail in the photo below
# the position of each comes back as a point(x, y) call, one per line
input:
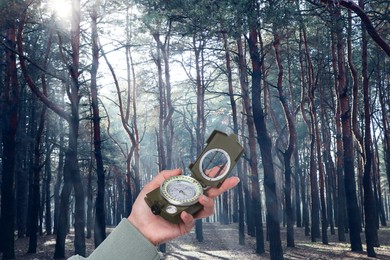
point(205, 198)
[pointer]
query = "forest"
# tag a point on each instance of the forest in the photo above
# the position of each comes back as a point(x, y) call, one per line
point(97, 97)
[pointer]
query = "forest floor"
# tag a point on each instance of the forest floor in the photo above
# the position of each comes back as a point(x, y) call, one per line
point(221, 242)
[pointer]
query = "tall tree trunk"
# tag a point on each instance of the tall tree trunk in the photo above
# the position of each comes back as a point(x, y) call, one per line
point(100, 215)
point(328, 162)
point(22, 176)
point(200, 120)
point(60, 170)
point(376, 171)
point(36, 184)
point(324, 219)
point(47, 184)
point(235, 130)
point(309, 83)
point(165, 133)
point(72, 177)
point(305, 209)
point(90, 207)
point(315, 204)
point(239, 194)
point(313, 84)
point(291, 142)
point(348, 152)
point(369, 202)
point(10, 98)
point(276, 251)
point(341, 206)
point(256, 197)
point(132, 105)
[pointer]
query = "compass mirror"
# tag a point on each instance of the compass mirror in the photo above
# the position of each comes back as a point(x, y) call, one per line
point(215, 164)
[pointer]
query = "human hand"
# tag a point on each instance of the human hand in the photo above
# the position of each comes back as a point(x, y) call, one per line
point(156, 229)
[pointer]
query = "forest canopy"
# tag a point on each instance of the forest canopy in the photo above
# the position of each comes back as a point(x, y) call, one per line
point(97, 97)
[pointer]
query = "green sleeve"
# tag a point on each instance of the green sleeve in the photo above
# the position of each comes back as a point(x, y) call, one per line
point(125, 242)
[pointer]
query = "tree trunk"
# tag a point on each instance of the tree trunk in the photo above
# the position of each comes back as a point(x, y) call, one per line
point(305, 213)
point(324, 220)
point(225, 216)
point(36, 184)
point(200, 120)
point(276, 251)
point(376, 170)
point(341, 206)
point(369, 202)
point(60, 173)
point(100, 215)
point(298, 191)
point(239, 194)
point(90, 207)
point(48, 216)
point(132, 103)
point(22, 167)
point(347, 138)
point(256, 197)
point(315, 217)
point(9, 124)
point(291, 142)
point(72, 176)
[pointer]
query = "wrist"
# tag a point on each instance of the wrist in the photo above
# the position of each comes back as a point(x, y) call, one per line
point(140, 228)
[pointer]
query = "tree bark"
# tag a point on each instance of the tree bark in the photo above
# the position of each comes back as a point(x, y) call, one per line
point(256, 197)
point(341, 206)
point(239, 194)
point(287, 155)
point(369, 202)
point(200, 120)
point(47, 184)
point(347, 139)
point(9, 127)
point(276, 250)
point(100, 214)
point(32, 248)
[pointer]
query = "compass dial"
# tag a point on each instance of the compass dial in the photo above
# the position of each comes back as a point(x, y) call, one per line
point(181, 190)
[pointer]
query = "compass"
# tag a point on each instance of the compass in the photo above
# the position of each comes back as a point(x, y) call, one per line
point(181, 190)
point(210, 169)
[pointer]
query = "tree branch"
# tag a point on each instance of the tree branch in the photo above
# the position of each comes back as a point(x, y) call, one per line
point(365, 19)
point(50, 104)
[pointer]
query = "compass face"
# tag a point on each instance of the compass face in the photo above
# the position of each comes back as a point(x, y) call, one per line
point(181, 190)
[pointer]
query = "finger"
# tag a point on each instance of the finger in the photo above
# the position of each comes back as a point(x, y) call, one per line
point(216, 171)
point(161, 177)
point(228, 184)
point(208, 207)
point(188, 223)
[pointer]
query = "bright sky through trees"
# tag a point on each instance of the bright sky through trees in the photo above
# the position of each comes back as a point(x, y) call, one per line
point(60, 8)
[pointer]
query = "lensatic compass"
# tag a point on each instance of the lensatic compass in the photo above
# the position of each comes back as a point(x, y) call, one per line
point(210, 169)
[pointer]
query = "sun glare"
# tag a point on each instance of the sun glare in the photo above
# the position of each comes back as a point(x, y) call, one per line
point(61, 8)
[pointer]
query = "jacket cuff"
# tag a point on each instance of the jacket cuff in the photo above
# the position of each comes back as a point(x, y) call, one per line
point(125, 242)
